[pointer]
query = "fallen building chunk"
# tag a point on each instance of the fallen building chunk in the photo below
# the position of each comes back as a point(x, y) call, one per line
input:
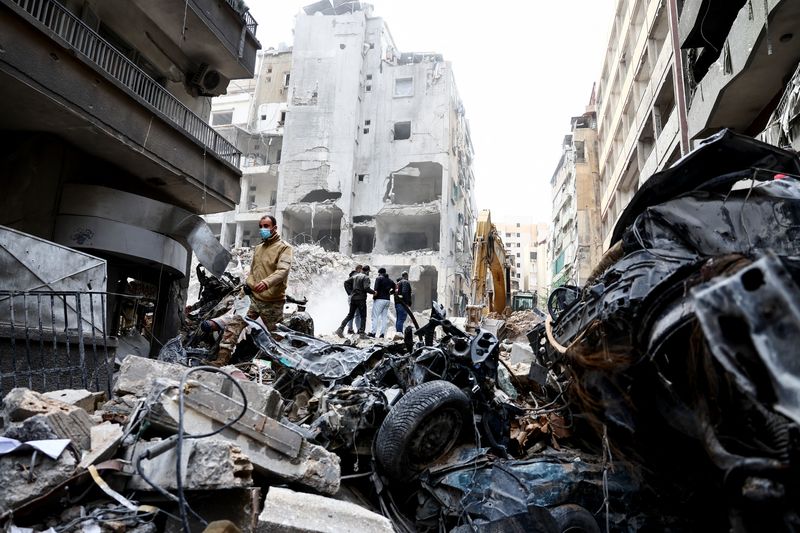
point(105, 438)
point(208, 464)
point(28, 415)
point(82, 398)
point(275, 449)
point(23, 480)
point(521, 353)
point(286, 511)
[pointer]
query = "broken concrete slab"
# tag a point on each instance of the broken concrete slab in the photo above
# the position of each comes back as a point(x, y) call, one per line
point(29, 415)
point(521, 353)
point(21, 484)
point(275, 449)
point(105, 439)
point(138, 374)
point(207, 464)
point(82, 398)
point(287, 511)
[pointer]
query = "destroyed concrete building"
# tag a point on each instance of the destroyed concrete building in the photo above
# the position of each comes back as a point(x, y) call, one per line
point(377, 157)
point(575, 244)
point(641, 111)
point(252, 116)
point(106, 151)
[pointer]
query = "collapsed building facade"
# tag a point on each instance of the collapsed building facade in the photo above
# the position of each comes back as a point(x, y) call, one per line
point(106, 152)
point(575, 244)
point(252, 116)
point(376, 154)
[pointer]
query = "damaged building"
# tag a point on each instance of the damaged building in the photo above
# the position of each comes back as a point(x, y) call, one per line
point(107, 152)
point(641, 110)
point(252, 116)
point(376, 155)
point(575, 244)
point(737, 66)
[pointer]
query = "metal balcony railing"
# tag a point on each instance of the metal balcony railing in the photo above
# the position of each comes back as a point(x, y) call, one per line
point(249, 21)
point(58, 20)
point(51, 340)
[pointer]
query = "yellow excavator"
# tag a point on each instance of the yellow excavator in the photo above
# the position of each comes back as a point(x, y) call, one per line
point(491, 277)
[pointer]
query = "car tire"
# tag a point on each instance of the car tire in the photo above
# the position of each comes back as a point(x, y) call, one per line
point(573, 518)
point(421, 428)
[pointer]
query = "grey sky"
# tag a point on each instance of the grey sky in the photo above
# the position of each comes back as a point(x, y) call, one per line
point(523, 68)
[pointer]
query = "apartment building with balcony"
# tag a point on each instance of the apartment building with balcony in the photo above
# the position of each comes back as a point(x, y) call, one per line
point(641, 112)
point(738, 59)
point(377, 157)
point(252, 116)
point(575, 244)
point(106, 147)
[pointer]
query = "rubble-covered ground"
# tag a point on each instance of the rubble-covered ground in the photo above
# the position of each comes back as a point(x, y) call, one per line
point(661, 396)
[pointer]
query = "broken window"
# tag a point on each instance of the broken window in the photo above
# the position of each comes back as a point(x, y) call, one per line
point(363, 239)
point(321, 195)
point(402, 131)
point(366, 130)
point(286, 76)
point(580, 155)
point(415, 184)
point(222, 118)
point(407, 232)
point(320, 224)
point(361, 178)
point(404, 87)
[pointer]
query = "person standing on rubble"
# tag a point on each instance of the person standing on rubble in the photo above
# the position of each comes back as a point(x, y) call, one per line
point(269, 272)
point(402, 295)
point(358, 302)
point(380, 305)
point(348, 288)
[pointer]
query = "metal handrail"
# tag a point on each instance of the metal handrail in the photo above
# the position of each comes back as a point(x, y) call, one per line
point(88, 43)
point(249, 21)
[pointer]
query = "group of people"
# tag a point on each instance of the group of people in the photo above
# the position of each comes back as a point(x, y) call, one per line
point(267, 280)
point(357, 287)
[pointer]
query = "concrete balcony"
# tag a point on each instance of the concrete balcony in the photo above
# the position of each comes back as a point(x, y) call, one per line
point(210, 32)
point(61, 77)
point(739, 89)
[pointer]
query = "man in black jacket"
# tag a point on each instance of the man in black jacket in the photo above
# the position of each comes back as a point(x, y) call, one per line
point(402, 293)
point(348, 288)
point(358, 301)
point(380, 305)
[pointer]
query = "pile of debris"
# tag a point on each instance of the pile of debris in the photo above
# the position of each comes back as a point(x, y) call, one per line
point(185, 446)
point(662, 395)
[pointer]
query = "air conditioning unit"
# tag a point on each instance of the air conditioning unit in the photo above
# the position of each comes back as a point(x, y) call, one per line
point(208, 82)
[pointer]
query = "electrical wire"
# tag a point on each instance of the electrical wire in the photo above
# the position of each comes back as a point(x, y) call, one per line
point(182, 504)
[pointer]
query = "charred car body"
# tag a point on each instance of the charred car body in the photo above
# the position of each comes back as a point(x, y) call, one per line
point(683, 343)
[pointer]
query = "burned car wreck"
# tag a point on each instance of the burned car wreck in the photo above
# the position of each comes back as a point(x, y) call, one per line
point(682, 345)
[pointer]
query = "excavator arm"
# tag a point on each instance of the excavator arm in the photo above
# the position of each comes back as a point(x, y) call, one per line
point(489, 260)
